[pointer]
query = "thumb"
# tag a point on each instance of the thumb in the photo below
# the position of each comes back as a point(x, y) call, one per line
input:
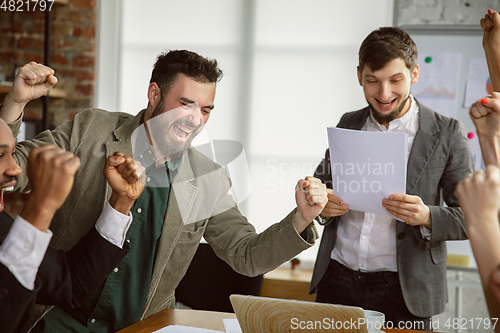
point(494, 17)
point(114, 161)
point(301, 185)
point(51, 82)
point(492, 103)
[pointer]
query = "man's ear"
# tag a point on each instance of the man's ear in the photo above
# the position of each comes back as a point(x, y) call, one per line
point(154, 94)
point(359, 77)
point(414, 75)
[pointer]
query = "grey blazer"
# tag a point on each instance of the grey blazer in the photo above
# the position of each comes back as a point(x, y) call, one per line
point(440, 157)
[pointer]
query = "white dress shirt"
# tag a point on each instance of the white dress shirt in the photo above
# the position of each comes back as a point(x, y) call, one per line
point(366, 242)
point(24, 247)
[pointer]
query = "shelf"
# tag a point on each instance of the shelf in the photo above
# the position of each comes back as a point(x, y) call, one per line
point(54, 92)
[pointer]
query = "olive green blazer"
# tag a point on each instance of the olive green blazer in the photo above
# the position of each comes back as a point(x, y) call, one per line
point(199, 206)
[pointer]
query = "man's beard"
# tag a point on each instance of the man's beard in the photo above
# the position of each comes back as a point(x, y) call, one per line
point(159, 131)
point(385, 119)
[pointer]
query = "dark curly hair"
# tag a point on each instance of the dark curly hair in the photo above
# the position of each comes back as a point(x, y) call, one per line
point(384, 45)
point(169, 64)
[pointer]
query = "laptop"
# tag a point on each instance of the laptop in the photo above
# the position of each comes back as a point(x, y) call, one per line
point(272, 315)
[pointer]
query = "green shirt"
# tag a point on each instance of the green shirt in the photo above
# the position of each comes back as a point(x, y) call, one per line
point(121, 299)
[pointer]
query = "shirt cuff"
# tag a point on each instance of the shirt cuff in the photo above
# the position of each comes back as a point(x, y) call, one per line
point(23, 250)
point(322, 220)
point(426, 232)
point(113, 225)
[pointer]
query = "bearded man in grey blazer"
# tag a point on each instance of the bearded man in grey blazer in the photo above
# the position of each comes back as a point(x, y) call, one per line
point(374, 261)
point(186, 195)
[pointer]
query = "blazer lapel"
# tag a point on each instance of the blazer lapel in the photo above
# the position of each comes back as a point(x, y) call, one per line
point(180, 203)
point(356, 120)
point(423, 148)
point(123, 142)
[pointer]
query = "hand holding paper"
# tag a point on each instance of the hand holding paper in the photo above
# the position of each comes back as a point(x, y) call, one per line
point(408, 208)
point(335, 206)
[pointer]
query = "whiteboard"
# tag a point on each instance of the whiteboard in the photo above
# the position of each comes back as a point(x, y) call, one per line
point(466, 40)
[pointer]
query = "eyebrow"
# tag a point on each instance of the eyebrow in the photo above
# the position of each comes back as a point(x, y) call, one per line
point(4, 146)
point(189, 101)
point(397, 74)
point(371, 75)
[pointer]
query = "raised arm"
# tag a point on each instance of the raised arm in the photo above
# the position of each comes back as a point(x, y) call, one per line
point(126, 178)
point(485, 115)
point(51, 172)
point(31, 82)
point(311, 197)
point(68, 279)
point(479, 197)
point(491, 44)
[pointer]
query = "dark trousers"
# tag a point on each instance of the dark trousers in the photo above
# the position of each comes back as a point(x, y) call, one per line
point(379, 291)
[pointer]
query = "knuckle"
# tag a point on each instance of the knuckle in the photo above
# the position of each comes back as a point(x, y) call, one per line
point(44, 157)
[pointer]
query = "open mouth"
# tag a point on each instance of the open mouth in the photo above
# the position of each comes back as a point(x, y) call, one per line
point(6, 187)
point(386, 104)
point(1, 196)
point(182, 131)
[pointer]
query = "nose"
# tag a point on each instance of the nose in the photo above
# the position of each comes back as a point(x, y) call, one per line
point(13, 168)
point(195, 115)
point(385, 92)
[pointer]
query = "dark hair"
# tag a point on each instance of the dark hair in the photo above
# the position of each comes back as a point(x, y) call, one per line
point(169, 64)
point(384, 45)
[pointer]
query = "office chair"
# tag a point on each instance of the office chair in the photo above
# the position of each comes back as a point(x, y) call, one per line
point(209, 281)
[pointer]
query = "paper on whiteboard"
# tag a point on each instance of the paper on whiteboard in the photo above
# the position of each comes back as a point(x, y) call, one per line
point(478, 81)
point(438, 80)
point(367, 167)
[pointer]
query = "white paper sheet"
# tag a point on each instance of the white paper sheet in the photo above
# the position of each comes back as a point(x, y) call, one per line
point(478, 81)
point(232, 326)
point(367, 167)
point(184, 329)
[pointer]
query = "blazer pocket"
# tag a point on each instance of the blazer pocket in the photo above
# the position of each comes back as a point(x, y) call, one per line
point(193, 231)
point(439, 254)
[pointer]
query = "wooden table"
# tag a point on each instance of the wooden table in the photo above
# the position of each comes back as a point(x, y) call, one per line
point(281, 283)
point(195, 318)
point(202, 319)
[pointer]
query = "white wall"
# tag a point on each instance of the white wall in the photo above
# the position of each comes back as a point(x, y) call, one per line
point(290, 71)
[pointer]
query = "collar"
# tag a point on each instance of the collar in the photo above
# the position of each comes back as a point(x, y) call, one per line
point(144, 154)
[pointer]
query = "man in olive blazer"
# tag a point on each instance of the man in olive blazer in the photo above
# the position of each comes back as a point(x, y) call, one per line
point(199, 204)
point(199, 183)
